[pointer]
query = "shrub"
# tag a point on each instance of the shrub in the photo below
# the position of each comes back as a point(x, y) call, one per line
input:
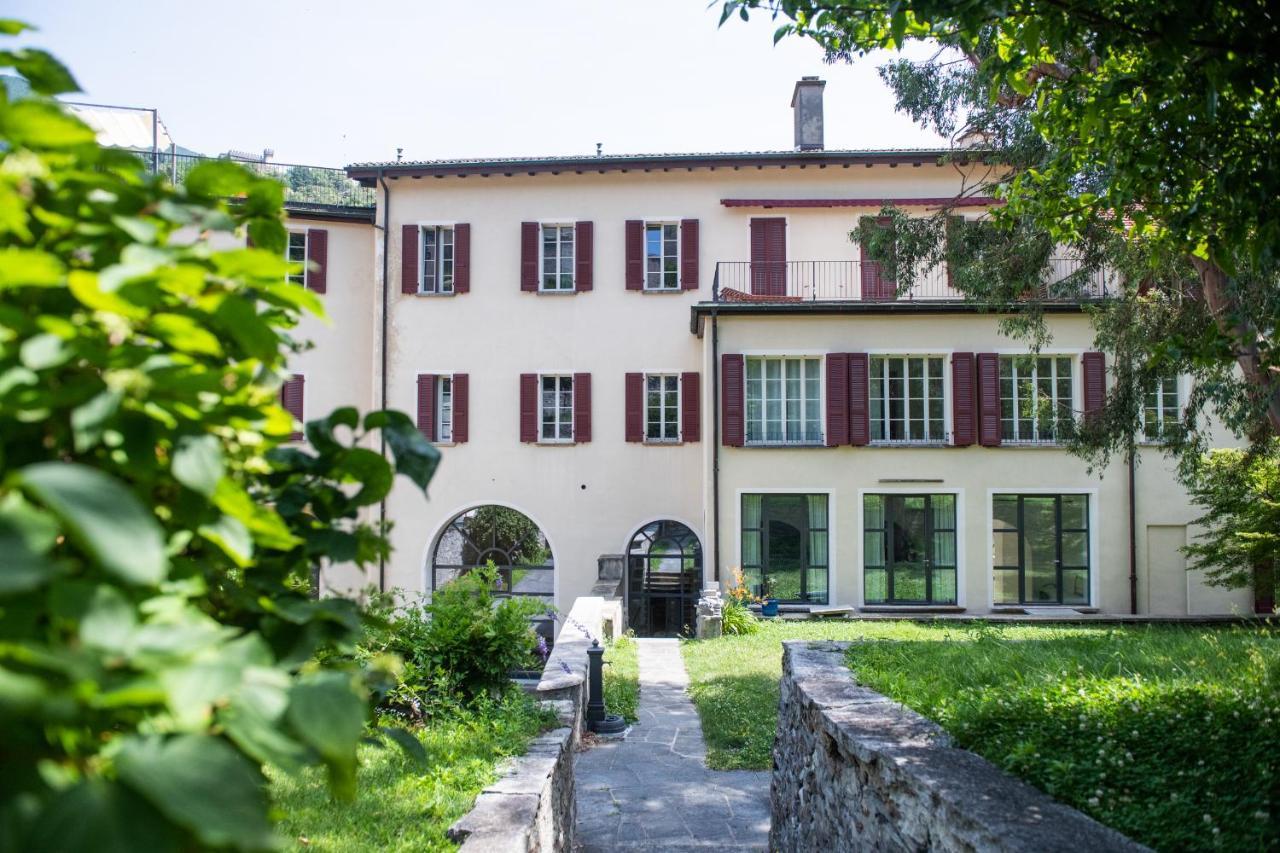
point(737, 618)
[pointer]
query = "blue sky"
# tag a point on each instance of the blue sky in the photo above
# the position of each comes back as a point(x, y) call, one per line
point(330, 82)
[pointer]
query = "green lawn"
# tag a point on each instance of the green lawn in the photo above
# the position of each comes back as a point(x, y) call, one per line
point(1170, 734)
point(622, 678)
point(403, 805)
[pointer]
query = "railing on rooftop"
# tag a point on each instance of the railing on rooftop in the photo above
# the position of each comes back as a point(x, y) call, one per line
point(305, 187)
point(1065, 280)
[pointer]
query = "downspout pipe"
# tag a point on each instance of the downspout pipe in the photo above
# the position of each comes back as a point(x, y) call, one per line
point(1133, 529)
point(715, 427)
point(382, 345)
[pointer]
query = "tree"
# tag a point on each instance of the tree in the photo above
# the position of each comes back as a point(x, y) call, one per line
point(158, 642)
point(1240, 492)
point(1139, 136)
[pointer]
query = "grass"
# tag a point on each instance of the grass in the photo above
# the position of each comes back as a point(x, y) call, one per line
point(1169, 734)
point(622, 678)
point(401, 804)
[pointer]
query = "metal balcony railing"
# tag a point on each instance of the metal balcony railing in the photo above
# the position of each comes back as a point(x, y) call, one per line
point(305, 187)
point(840, 281)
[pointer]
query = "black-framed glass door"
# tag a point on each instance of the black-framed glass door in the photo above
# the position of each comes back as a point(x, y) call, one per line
point(784, 546)
point(1040, 548)
point(909, 549)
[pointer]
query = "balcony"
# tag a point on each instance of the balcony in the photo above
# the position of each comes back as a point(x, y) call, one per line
point(848, 281)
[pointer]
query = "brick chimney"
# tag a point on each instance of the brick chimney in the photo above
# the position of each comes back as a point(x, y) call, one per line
point(806, 103)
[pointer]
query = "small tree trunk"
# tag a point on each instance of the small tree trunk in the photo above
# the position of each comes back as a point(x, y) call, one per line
point(1229, 316)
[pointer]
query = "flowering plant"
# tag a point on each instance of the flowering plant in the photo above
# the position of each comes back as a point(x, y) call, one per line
point(740, 593)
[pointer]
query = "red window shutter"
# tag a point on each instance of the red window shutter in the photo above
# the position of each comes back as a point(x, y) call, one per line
point(318, 259)
point(1094, 366)
point(583, 254)
point(689, 254)
point(427, 405)
point(581, 407)
point(875, 285)
point(769, 256)
point(690, 407)
point(635, 254)
point(988, 399)
point(529, 234)
point(962, 399)
point(859, 408)
point(633, 414)
point(528, 407)
point(461, 407)
point(292, 395)
point(837, 399)
point(733, 426)
point(462, 258)
point(410, 236)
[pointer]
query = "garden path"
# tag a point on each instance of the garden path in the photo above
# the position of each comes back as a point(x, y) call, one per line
point(652, 790)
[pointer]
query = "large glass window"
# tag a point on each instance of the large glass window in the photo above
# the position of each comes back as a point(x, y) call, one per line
point(557, 257)
point(784, 400)
point(1035, 398)
point(444, 408)
point(662, 407)
point(909, 549)
point(296, 253)
point(556, 404)
point(784, 546)
point(437, 260)
point(661, 256)
point(907, 399)
point(1040, 549)
point(1161, 411)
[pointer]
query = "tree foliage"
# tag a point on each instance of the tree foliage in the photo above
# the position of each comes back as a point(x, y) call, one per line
point(1240, 493)
point(158, 638)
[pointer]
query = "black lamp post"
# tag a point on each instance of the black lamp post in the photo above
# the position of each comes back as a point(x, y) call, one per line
point(598, 719)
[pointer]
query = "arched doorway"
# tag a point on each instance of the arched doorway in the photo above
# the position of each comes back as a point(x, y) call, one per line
point(664, 577)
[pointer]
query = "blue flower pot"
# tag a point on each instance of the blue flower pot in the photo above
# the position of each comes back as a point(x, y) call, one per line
point(769, 607)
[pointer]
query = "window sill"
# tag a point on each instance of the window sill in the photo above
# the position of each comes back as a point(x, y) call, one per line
point(767, 445)
point(664, 291)
point(911, 608)
point(449, 443)
point(432, 294)
point(662, 442)
point(556, 442)
point(941, 442)
point(573, 292)
point(1032, 444)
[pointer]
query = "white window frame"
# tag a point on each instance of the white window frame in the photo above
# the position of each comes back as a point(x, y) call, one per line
point(662, 223)
point(438, 263)
point(1160, 435)
point(444, 408)
point(663, 422)
point(561, 414)
point(945, 436)
point(783, 358)
point(1014, 357)
point(300, 277)
point(573, 257)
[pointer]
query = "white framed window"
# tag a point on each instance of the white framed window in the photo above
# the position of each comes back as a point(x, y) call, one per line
point(555, 408)
point(784, 400)
point(661, 256)
point(437, 259)
point(1035, 397)
point(557, 258)
point(296, 253)
point(1161, 408)
point(661, 407)
point(907, 399)
point(444, 408)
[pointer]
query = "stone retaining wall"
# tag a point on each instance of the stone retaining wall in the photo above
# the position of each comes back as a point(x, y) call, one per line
point(854, 770)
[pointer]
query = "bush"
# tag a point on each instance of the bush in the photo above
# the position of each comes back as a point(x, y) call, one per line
point(737, 618)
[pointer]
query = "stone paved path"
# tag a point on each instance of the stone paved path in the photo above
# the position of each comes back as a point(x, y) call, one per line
point(653, 790)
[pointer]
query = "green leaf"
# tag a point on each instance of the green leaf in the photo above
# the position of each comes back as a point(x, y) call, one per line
point(44, 351)
point(268, 529)
point(361, 465)
point(415, 457)
point(320, 432)
point(102, 517)
point(39, 124)
point(26, 535)
point(102, 816)
point(185, 334)
point(245, 325)
point(109, 622)
point(198, 463)
point(327, 713)
point(46, 75)
point(89, 419)
point(232, 537)
point(29, 268)
point(406, 741)
point(203, 784)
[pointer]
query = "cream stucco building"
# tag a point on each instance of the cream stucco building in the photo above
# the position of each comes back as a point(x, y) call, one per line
point(684, 359)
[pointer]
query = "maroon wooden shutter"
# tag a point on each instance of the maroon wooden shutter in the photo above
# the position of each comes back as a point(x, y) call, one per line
point(528, 407)
point(318, 258)
point(690, 407)
point(427, 405)
point(954, 225)
point(583, 255)
point(292, 396)
point(410, 236)
point(731, 400)
point(634, 235)
point(581, 407)
point(462, 258)
point(769, 256)
point(875, 285)
point(461, 408)
point(689, 254)
point(1094, 366)
point(988, 398)
point(529, 233)
point(837, 399)
point(633, 407)
point(859, 406)
point(962, 399)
